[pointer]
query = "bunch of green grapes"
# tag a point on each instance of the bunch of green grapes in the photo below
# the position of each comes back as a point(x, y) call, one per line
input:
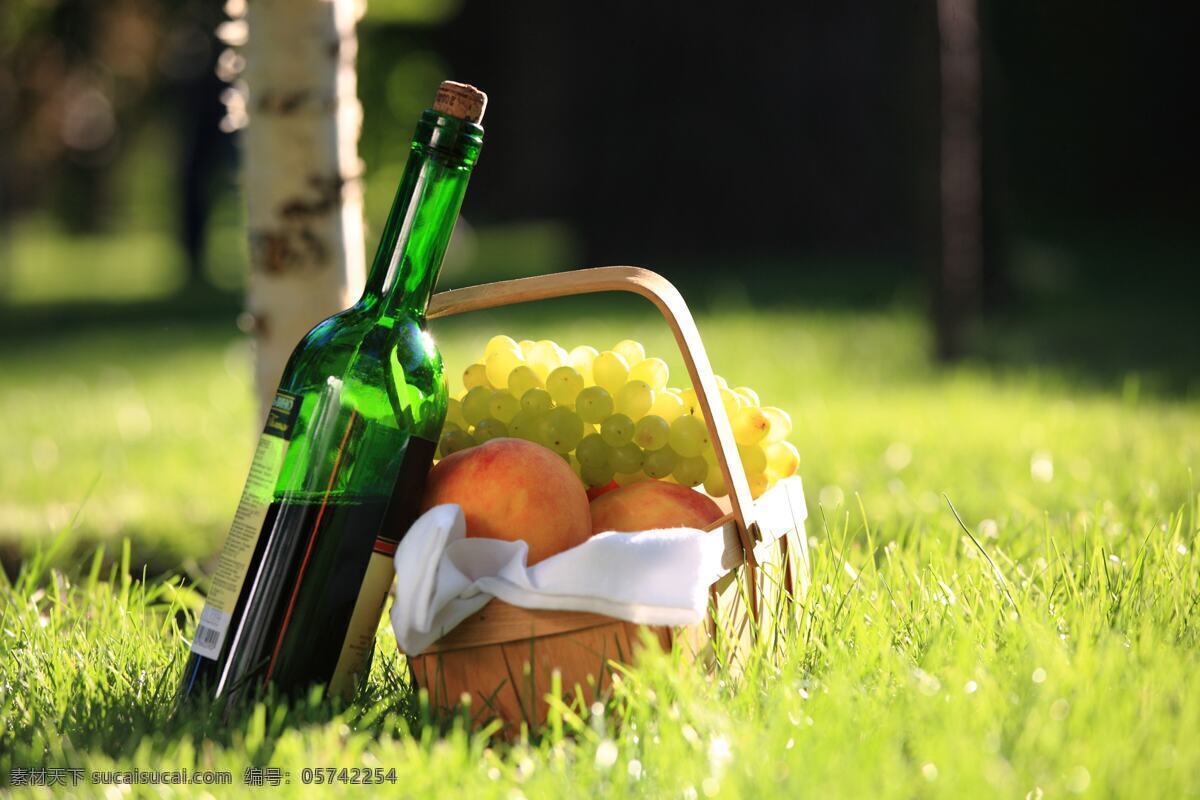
point(612, 416)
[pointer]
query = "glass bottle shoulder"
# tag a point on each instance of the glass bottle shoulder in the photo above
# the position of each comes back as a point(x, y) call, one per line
point(389, 369)
point(326, 350)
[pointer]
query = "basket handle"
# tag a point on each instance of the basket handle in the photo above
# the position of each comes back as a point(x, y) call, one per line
point(659, 291)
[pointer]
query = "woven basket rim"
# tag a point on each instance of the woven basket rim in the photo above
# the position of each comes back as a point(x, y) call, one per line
point(499, 622)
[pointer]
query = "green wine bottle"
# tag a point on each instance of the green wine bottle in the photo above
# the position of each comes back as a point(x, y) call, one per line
point(340, 469)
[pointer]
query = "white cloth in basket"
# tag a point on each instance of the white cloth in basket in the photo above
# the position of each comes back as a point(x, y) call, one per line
point(658, 577)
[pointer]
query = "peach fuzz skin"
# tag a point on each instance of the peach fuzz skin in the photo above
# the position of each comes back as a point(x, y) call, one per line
point(514, 490)
point(648, 505)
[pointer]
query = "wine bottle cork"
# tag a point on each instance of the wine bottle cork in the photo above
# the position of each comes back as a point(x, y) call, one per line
point(460, 100)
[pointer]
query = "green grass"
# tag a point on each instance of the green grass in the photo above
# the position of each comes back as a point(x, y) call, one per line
point(913, 668)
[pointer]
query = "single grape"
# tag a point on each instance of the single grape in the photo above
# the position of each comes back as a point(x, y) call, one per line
point(758, 484)
point(781, 424)
point(564, 384)
point(690, 471)
point(526, 346)
point(453, 441)
point(653, 371)
point(561, 430)
point(689, 436)
point(454, 413)
point(749, 395)
point(475, 404)
point(626, 478)
point(783, 458)
point(489, 428)
point(750, 425)
point(537, 401)
point(631, 350)
point(731, 401)
point(691, 404)
point(592, 450)
point(634, 399)
point(610, 370)
point(526, 425)
point(652, 433)
point(476, 375)
point(753, 457)
point(617, 430)
point(522, 379)
point(666, 405)
point(503, 406)
point(660, 463)
point(498, 343)
point(626, 458)
point(595, 474)
point(545, 357)
point(714, 484)
point(581, 358)
point(499, 366)
point(594, 404)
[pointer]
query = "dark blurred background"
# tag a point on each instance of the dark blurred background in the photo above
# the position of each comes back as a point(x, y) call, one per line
point(792, 154)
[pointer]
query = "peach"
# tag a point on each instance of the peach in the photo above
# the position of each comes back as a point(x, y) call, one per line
point(512, 489)
point(647, 505)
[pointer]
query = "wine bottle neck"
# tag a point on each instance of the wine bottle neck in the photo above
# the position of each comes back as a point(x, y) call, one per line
point(419, 226)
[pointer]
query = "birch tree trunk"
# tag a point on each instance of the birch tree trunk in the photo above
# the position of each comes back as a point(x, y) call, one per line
point(300, 170)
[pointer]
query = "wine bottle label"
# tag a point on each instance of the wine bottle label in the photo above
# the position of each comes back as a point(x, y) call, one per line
point(247, 525)
point(364, 622)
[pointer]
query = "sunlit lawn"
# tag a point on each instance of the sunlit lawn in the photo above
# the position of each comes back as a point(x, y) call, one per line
point(910, 671)
point(153, 423)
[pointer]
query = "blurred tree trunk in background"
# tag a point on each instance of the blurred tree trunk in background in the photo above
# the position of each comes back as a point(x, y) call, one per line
point(300, 168)
point(994, 206)
point(197, 78)
point(958, 281)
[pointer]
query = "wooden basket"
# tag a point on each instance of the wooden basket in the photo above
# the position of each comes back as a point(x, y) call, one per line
point(765, 558)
